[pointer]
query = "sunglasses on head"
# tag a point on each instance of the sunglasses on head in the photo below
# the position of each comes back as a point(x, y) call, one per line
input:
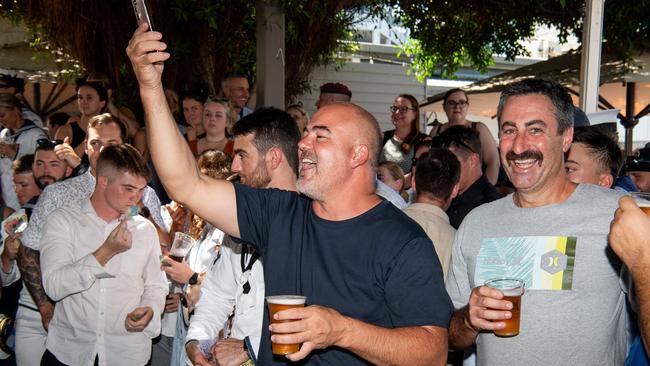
point(47, 143)
point(440, 142)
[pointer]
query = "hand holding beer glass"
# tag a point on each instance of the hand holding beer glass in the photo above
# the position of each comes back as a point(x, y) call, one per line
point(279, 303)
point(512, 290)
point(629, 235)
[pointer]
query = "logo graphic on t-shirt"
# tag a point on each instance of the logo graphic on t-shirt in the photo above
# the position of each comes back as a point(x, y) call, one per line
point(542, 262)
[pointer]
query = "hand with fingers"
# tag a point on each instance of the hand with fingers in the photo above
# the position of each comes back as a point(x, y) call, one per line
point(629, 235)
point(195, 354)
point(138, 319)
point(145, 52)
point(118, 241)
point(179, 272)
point(229, 352)
point(172, 301)
point(316, 327)
point(66, 152)
point(486, 308)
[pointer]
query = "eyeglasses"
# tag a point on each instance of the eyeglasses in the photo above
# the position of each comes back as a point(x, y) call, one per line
point(453, 104)
point(48, 144)
point(394, 109)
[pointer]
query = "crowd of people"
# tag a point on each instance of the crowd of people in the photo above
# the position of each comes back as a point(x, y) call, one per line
point(391, 236)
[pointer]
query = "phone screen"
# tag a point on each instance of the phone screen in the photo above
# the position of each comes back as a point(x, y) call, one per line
point(142, 13)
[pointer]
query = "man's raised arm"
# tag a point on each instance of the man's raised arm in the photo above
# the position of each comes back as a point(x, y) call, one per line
point(214, 200)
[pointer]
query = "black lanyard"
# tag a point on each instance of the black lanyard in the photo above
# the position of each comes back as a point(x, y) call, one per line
point(247, 267)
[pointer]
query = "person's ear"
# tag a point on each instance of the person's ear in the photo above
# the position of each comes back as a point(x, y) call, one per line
point(605, 180)
point(273, 158)
point(360, 155)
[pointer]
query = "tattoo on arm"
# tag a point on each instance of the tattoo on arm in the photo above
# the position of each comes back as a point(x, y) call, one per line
point(29, 263)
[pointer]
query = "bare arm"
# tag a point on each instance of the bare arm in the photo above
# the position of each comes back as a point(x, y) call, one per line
point(461, 333)
point(172, 158)
point(629, 237)
point(29, 264)
point(490, 153)
point(320, 327)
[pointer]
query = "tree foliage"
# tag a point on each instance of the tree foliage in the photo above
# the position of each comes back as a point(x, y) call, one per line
point(447, 34)
point(207, 38)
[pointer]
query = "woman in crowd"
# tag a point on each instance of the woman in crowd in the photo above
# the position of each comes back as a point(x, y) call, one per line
point(216, 117)
point(456, 105)
point(400, 143)
point(300, 115)
point(192, 105)
point(91, 100)
point(393, 176)
point(191, 271)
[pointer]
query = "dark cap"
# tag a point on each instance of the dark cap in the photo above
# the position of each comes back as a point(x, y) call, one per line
point(335, 88)
point(641, 162)
point(16, 82)
point(580, 118)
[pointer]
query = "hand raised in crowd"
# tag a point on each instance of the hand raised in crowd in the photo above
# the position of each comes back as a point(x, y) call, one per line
point(172, 301)
point(118, 241)
point(176, 212)
point(195, 354)
point(138, 319)
point(177, 272)
point(145, 52)
point(65, 152)
point(486, 307)
point(9, 252)
point(629, 234)
point(229, 352)
point(8, 150)
point(316, 327)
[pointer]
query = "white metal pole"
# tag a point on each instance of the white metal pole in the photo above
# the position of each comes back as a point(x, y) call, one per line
point(590, 62)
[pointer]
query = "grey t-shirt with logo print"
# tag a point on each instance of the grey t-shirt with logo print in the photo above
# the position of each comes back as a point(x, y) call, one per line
point(573, 311)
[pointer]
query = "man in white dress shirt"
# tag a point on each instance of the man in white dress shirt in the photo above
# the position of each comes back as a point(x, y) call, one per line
point(102, 266)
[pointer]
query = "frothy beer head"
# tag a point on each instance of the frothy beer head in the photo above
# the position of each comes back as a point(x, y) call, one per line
point(643, 200)
point(286, 300)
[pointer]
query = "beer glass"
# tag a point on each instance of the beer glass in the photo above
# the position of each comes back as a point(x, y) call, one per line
point(279, 303)
point(181, 246)
point(512, 290)
point(643, 200)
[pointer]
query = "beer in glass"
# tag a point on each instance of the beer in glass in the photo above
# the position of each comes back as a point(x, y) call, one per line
point(279, 303)
point(512, 290)
point(181, 246)
point(643, 200)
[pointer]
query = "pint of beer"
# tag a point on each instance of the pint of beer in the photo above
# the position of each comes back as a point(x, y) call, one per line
point(643, 200)
point(512, 290)
point(279, 303)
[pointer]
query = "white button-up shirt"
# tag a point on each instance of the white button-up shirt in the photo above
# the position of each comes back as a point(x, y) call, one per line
point(222, 290)
point(93, 301)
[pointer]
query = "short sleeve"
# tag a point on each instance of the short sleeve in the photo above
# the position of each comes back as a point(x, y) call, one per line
point(458, 284)
point(415, 285)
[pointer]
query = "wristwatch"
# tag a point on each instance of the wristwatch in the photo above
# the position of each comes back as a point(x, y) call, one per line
point(194, 279)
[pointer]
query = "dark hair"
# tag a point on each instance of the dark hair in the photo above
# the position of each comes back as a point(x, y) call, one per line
point(99, 88)
point(271, 127)
point(336, 88)
point(45, 144)
point(196, 95)
point(603, 147)
point(123, 158)
point(436, 174)
point(106, 119)
point(452, 91)
point(560, 99)
point(23, 164)
point(13, 81)
point(462, 137)
point(412, 137)
point(58, 118)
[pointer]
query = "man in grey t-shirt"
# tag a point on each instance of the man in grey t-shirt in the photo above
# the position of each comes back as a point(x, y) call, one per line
point(552, 234)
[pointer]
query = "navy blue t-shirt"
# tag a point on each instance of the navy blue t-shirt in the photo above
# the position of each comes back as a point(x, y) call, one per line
point(379, 267)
